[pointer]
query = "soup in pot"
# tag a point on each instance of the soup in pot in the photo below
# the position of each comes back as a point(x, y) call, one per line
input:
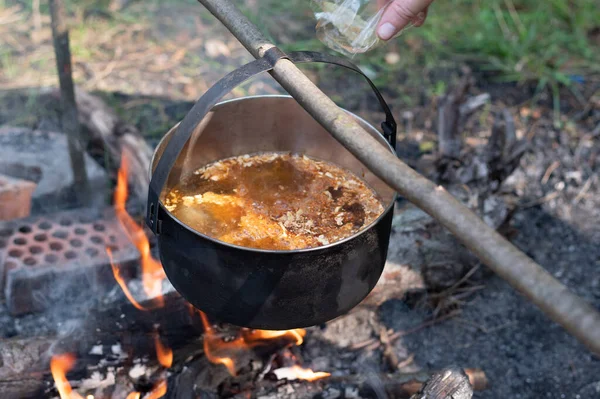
point(274, 201)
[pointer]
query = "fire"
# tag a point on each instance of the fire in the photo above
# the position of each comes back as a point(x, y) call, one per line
point(163, 353)
point(262, 335)
point(222, 352)
point(299, 373)
point(152, 271)
point(159, 391)
point(121, 281)
point(60, 366)
point(216, 349)
point(212, 344)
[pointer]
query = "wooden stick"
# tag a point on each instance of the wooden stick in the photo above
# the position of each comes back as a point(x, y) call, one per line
point(574, 314)
point(70, 122)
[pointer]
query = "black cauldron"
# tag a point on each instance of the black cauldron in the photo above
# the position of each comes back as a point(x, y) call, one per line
point(273, 290)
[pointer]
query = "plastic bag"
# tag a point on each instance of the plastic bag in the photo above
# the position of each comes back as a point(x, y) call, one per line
point(348, 26)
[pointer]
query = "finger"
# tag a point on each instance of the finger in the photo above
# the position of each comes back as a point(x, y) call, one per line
point(381, 3)
point(419, 20)
point(398, 14)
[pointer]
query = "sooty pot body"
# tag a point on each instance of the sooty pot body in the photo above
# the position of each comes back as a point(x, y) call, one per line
point(273, 290)
point(269, 290)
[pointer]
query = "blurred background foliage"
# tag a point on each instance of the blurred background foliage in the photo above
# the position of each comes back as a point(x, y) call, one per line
point(550, 47)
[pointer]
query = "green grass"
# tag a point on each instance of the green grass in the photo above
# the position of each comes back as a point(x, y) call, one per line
point(545, 43)
point(522, 40)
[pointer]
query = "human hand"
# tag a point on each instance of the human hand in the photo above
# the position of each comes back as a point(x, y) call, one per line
point(400, 13)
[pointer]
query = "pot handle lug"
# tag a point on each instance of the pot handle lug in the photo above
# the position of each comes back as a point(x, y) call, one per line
point(216, 93)
point(389, 126)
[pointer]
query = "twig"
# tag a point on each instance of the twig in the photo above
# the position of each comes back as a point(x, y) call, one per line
point(549, 171)
point(583, 191)
point(406, 361)
point(425, 325)
point(560, 304)
point(388, 351)
point(458, 283)
point(543, 200)
point(372, 344)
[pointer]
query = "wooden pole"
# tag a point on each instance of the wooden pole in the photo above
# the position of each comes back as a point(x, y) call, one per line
point(70, 123)
point(574, 314)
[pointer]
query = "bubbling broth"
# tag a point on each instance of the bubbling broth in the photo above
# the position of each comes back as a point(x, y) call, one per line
point(274, 201)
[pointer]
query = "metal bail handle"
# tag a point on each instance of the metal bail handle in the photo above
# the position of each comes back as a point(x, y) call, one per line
point(217, 92)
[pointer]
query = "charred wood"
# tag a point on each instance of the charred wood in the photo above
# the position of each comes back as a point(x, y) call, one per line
point(451, 383)
point(109, 134)
point(69, 118)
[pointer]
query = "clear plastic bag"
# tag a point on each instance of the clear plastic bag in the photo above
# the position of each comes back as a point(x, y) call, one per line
point(348, 26)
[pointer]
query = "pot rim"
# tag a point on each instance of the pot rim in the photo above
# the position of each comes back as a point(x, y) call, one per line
point(387, 209)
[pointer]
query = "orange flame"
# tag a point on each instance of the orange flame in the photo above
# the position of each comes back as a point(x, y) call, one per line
point(152, 271)
point(121, 281)
point(163, 353)
point(299, 373)
point(159, 391)
point(212, 344)
point(263, 335)
point(222, 352)
point(60, 366)
point(133, 395)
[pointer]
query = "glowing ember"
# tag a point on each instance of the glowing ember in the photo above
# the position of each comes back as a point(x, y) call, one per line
point(60, 366)
point(163, 354)
point(299, 373)
point(152, 271)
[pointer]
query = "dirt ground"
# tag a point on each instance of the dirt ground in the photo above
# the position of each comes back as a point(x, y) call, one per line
point(524, 354)
point(151, 73)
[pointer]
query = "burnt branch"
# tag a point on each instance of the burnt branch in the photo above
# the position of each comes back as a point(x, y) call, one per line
point(449, 383)
point(450, 120)
point(109, 134)
point(69, 118)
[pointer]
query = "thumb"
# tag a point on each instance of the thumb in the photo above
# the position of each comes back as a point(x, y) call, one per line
point(400, 13)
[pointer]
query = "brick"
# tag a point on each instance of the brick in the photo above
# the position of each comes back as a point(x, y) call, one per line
point(43, 157)
point(15, 197)
point(61, 258)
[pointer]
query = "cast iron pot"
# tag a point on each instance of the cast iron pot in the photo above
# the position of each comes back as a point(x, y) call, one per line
point(266, 289)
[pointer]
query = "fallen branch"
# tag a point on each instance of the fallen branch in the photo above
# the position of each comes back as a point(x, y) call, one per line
point(574, 314)
point(406, 385)
point(117, 138)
